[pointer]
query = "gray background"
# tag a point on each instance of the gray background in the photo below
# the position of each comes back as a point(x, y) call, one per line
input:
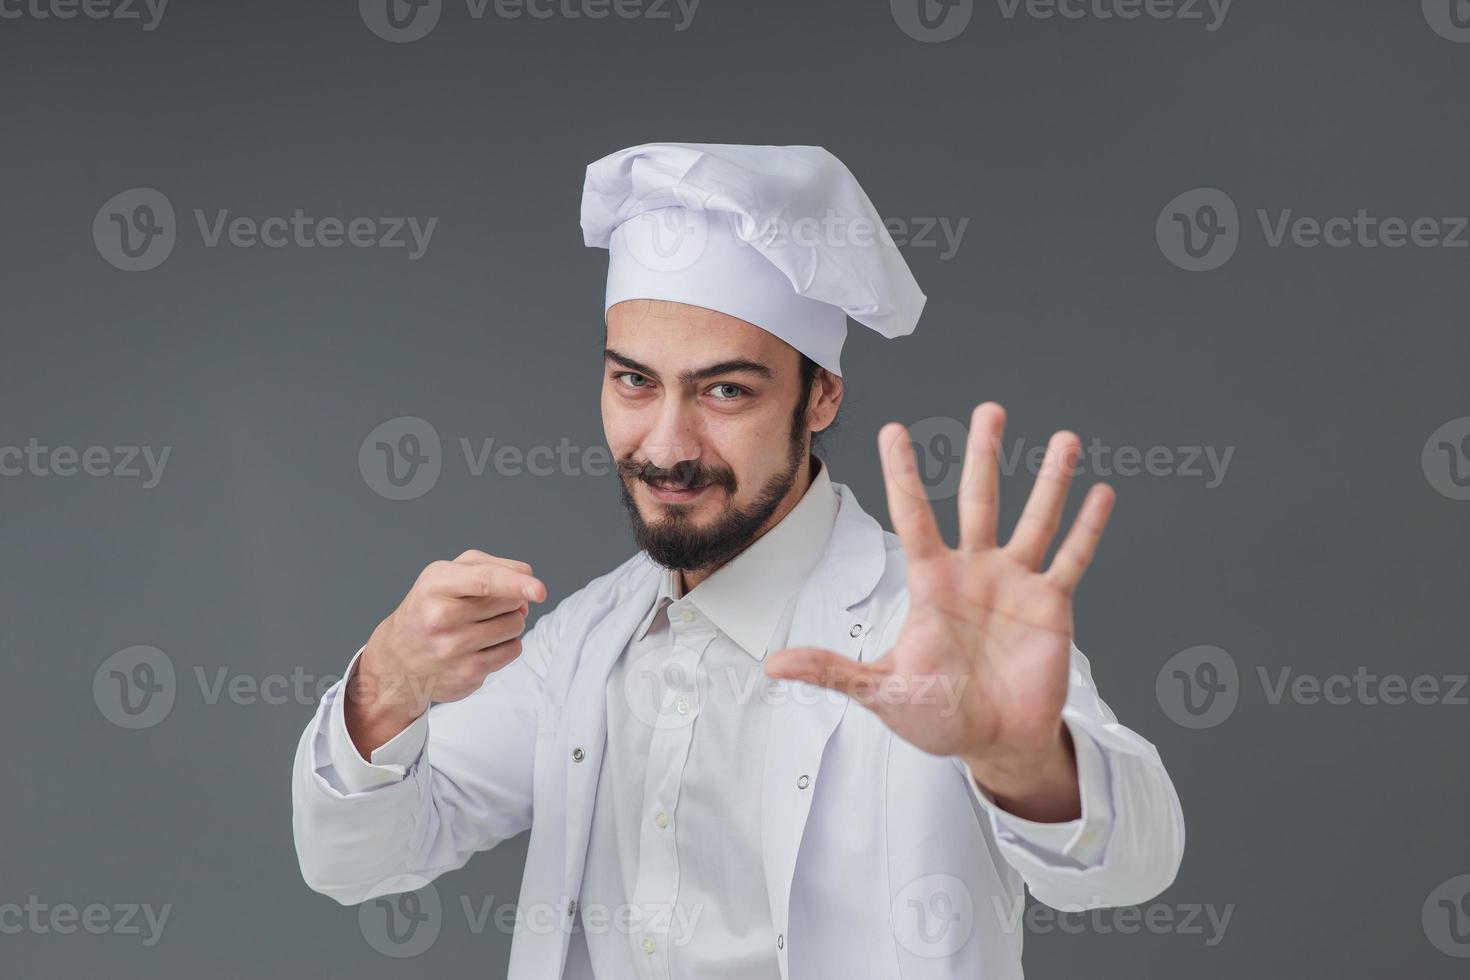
point(264, 549)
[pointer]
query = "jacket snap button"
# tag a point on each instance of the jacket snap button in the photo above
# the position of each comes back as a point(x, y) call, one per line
point(578, 755)
point(857, 630)
point(803, 782)
point(781, 941)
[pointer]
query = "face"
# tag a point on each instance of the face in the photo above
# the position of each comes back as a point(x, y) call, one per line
point(700, 410)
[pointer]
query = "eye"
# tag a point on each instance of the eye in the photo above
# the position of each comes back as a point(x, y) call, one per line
point(733, 391)
point(630, 374)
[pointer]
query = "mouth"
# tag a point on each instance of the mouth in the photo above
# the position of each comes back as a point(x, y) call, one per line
point(673, 494)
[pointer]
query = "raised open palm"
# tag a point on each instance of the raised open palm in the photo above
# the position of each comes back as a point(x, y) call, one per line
point(980, 667)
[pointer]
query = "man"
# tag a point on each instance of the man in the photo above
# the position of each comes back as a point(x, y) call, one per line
point(778, 742)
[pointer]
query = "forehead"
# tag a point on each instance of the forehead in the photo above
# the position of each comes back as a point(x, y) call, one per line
point(665, 334)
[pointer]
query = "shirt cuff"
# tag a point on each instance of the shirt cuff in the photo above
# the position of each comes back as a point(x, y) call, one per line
point(390, 761)
point(1082, 840)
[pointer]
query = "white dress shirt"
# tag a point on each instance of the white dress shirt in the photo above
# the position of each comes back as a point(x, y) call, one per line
point(674, 887)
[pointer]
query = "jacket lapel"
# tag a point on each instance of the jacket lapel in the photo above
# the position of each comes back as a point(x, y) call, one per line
point(585, 711)
point(825, 617)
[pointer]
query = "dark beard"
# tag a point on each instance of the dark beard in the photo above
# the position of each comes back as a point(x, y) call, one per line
point(673, 542)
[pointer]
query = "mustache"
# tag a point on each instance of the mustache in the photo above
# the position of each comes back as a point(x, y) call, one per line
point(682, 475)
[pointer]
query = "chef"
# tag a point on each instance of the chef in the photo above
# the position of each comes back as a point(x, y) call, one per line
point(778, 742)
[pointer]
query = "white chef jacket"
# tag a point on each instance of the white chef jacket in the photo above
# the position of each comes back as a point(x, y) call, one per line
point(675, 867)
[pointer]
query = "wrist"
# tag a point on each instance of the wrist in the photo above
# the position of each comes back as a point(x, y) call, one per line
point(1036, 782)
point(379, 697)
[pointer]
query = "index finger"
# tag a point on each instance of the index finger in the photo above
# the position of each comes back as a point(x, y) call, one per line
point(486, 579)
point(477, 557)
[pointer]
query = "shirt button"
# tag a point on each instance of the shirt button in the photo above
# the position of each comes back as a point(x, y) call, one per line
point(803, 782)
point(661, 818)
point(684, 616)
point(648, 944)
point(578, 755)
point(682, 706)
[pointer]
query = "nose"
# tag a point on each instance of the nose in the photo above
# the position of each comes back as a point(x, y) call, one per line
point(674, 437)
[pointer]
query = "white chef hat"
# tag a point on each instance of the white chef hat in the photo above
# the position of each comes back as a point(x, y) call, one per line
point(779, 236)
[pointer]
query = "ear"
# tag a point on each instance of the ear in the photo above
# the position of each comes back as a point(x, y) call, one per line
point(826, 399)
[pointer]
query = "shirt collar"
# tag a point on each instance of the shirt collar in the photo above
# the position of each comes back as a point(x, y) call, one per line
point(746, 597)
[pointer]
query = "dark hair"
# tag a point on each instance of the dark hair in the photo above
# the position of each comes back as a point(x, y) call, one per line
point(809, 369)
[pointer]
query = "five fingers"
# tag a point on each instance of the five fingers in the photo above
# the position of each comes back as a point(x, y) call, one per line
point(914, 522)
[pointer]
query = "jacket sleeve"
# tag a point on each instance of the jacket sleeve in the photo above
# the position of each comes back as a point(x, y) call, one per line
point(456, 781)
point(1128, 843)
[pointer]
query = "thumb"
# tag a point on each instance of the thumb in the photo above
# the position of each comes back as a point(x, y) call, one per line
point(813, 665)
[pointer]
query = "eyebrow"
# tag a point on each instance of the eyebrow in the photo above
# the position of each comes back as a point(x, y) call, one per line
point(698, 374)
